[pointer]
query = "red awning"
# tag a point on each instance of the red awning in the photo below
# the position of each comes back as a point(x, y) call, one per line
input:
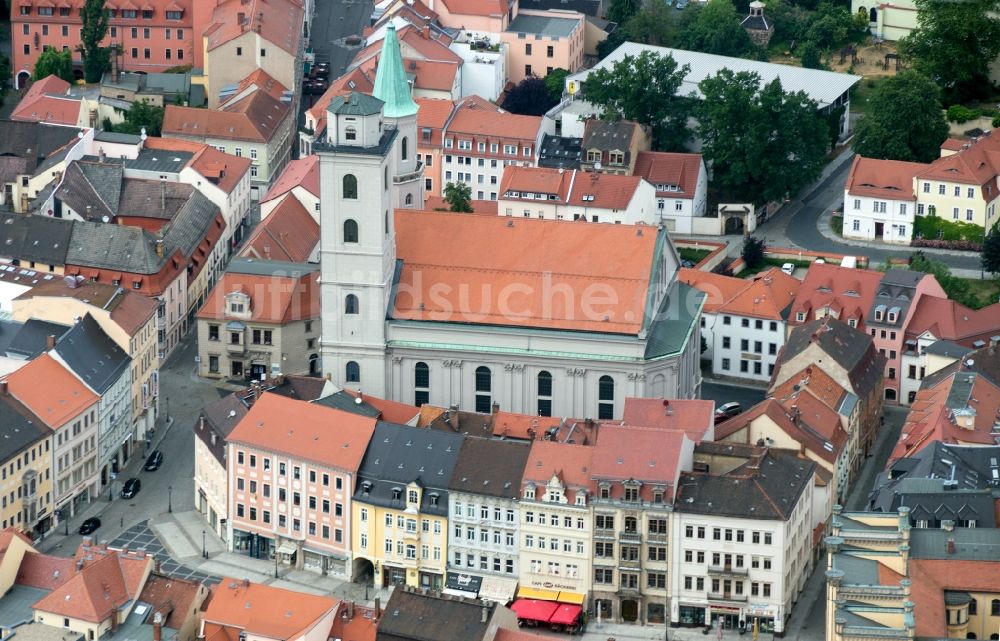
point(533, 609)
point(566, 614)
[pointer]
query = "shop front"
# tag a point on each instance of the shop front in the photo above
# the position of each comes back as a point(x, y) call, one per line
point(252, 544)
point(392, 575)
point(764, 615)
point(730, 616)
point(431, 580)
point(691, 615)
point(498, 589)
point(558, 611)
point(460, 584)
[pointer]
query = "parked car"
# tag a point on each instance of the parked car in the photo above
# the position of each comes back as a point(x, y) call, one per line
point(90, 525)
point(131, 488)
point(726, 411)
point(154, 461)
point(788, 268)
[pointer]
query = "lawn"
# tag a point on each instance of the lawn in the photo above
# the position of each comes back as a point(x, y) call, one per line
point(692, 254)
point(983, 292)
point(861, 92)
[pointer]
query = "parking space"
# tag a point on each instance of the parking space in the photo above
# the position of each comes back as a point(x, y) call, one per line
point(140, 538)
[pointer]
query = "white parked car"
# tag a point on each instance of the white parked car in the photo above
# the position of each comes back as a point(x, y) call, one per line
point(788, 268)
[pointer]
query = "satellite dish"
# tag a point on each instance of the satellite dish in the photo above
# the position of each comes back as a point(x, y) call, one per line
point(357, 400)
point(597, 165)
point(105, 219)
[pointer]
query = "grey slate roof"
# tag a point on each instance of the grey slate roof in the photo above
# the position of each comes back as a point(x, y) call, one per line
point(32, 337)
point(219, 418)
point(427, 617)
point(38, 238)
point(610, 136)
point(92, 355)
point(343, 401)
point(857, 570)
point(255, 267)
point(355, 104)
point(92, 189)
point(490, 467)
point(947, 348)
point(895, 291)
point(8, 331)
point(19, 427)
point(770, 491)
point(397, 455)
point(971, 544)
point(112, 136)
point(558, 152)
point(30, 143)
point(850, 348)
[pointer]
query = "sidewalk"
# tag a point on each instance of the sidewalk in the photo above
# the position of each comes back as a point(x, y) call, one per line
point(181, 534)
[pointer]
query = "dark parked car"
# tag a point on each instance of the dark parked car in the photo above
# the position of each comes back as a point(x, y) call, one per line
point(726, 411)
point(132, 487)
point(154, 461)
point(90, 525)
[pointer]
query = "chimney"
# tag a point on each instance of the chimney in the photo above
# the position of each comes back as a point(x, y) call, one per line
point(3, 388)
point(950, 546)
point(159, 247)
point(427, 32)
point(158, 627)
point(495, 409)
point(483, 619)
point(163, 196)
point(350, 610)
point(378, 609)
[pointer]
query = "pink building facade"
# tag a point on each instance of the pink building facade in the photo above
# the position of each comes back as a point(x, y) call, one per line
point(540, 41)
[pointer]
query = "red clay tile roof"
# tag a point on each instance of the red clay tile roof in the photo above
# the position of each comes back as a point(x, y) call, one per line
point(571, 463)
point(979, 164)
point(816, 426)
point(504, 284)
point(307, 431)
point(178, 596)
point(475, 116)
point(646, 454)
point(45, 571)
point(303, 172)
point(391, 411)
point(511, 425)
point(288, 233)
point(477, 7)
point(851, 290)
point(434, 112)
point(50, 391)
point(46, 101)
point(273, 298)
point(129, 310)
point(261, 80)
point(264, 610)
point(277, 21)
point(931, 577)
point(767, 296)
point(662, 168)
point(892, 179)
point(953, 144)
point(222, 169)
point(953, 321)
point(256, 118)
point(579, 188)
point(361, 627)
point(430, 75)
point(482, 207)
point(412, 45)
point(817, 382)
point(99, 589)
point(718, 287)
point(695, 417)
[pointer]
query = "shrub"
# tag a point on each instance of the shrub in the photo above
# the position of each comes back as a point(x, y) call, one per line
point(961, 113)
point(963, 245)
point(932, 228)
point(996, 121)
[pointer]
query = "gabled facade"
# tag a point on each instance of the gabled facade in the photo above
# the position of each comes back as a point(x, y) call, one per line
point(681, 183)
point(613, 147)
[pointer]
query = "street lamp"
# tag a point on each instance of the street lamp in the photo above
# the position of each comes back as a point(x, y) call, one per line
point(276, 557)
point(170, 507)
point(204, 549)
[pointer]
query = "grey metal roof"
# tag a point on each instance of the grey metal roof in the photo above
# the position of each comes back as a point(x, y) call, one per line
point(543, 25)
point(38, 238)
point(947, 348)
point(349, 403)
point(257, 267)
point(825, 87)
point(671, 326)
point(113, 136)
point(859, 570)
point(160, 160)
point(31, 338)
point(355, 104)
point(381, 149)
point(8, 330)
point(93, 355)
point(398, 455)
point(971, 544)
point(558, 152)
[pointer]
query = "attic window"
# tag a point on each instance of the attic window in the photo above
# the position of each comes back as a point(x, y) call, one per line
point(396, 493)
point(434, 498)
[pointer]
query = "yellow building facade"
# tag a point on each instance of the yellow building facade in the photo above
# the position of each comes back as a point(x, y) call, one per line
point(26, 500)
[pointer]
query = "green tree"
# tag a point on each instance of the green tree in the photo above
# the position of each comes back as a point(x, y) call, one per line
point(809, 53)
point(833, 26)
point(958, 289)
point(790, 21)
point(904, 121)
point(458, 196)
point(96, 59)
point(954, 44)
point(54, 63)
point(555, 82)
point(654, 25)
point(991, 252)
point(753, 251)
point(140, 116)
point(762, 142)
point(644, 88)
point(716, 29)
point(621, 10)
point(530, 97)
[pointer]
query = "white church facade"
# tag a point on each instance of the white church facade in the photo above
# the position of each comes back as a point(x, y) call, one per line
point(544, 317)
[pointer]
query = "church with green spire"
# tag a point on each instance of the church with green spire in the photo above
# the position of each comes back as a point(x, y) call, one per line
point(391, 85)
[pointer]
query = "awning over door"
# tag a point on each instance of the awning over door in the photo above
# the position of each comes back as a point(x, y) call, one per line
point(497, 589)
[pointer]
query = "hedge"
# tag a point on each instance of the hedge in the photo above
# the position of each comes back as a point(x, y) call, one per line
point(932, 228)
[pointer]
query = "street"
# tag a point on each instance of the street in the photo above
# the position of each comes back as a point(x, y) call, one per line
point(333, 21)
point(722, 392)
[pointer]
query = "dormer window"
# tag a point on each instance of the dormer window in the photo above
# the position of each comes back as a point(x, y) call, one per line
point(616, 158)
point(435, 497)
point(366, 487)
point(412, 497)
point(396, 493)
point(880, 312)
point(605, 490)
point(529, 493)
point(593, 155)
point(631, 492)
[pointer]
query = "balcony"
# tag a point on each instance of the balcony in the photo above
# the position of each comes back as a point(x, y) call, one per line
point(727, 596)
point(656, 538)
point(727, 570)
point(236, 348)
point(630, 564)
point(627, 591)
point(603, 533)
point(630, 536)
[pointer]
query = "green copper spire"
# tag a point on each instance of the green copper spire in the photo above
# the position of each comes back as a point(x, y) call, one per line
point(391, 86)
